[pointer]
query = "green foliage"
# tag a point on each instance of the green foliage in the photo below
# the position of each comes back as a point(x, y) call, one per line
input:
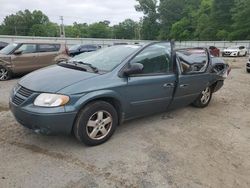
point(163, 19)
point(203, 29)
point(44, 30)
point(126, 30)
point(170, 12)
point(77, 30)
point(22, 22)
point(241, 20)
point(99, 30)
point(150, 26)
point(180, 30)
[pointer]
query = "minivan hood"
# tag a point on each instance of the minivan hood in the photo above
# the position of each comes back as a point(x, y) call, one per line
point(53, 78)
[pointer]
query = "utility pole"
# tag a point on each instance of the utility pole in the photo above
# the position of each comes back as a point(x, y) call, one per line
point(15, 31)
point(62, 31)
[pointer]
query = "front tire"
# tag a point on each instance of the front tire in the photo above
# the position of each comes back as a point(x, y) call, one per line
point(204, 98)
point(96, 123)
point(248, 70)
point(5, 74)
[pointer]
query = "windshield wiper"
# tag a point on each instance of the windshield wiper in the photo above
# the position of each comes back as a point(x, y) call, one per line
point(70, 65)
point(95, 69)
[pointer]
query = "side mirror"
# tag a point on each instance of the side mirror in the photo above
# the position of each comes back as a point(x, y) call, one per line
point(135, 68)
point(18, 52)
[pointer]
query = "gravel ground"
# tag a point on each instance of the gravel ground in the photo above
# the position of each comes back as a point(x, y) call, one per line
point(188, 147)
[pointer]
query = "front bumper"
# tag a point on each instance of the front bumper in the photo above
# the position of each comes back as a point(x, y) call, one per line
point(248, 66)
point(45, 123)
point(230, 54)
point(218, 85)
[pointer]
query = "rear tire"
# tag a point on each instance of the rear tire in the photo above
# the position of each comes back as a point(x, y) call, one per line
point(204, 98)
point(96, 123)
point(248, 70)
point(5, 74)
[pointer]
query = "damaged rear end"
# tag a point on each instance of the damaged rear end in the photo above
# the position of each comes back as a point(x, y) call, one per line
point(221, 71)
point(220, 68)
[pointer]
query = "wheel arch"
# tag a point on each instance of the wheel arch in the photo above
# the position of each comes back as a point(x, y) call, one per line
point(109, 97)
point(5, 66)
point(111, 100)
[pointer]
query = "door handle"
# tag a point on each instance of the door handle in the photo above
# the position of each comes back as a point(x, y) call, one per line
point(168, 85)
point(184, 85)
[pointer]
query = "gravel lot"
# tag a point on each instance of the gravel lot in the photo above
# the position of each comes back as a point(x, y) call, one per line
point(188, 147)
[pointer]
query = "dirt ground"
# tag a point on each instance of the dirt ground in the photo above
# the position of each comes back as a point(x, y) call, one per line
point(186, 148)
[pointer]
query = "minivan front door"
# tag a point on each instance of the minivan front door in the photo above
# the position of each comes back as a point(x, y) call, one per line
point(151, 91)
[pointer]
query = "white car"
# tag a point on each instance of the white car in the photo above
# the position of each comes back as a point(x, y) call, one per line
point(235, 51)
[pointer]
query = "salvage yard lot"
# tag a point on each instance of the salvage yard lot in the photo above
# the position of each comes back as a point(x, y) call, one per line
point(188, 147)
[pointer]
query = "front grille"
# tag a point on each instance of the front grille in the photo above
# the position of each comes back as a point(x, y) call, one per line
point(17, 100)
point(21, 94)
point(24, 92)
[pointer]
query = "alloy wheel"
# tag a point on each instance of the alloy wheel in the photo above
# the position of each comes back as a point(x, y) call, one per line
point(4, 74)
point(206, 94)
point(99, 125)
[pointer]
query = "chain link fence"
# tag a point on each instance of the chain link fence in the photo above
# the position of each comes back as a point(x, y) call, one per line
point(106, 42)
point(219, 44)
point(71, 41)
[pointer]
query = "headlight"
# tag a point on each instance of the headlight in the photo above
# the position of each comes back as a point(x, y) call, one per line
point(51, 100)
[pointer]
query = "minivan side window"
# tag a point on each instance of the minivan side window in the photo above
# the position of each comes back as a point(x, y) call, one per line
point(156, 59)
point(48, 47)
point(27, 48)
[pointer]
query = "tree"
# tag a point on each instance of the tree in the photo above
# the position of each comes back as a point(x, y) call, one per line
point(125, 30)
point(150, 26)
point(22, 22)
point(204, 30)
point(170, 11)
point(180, 30)
point(77, 30)
point(45, 30)
point(221, 17)
point(99, 30)
point(240, 16)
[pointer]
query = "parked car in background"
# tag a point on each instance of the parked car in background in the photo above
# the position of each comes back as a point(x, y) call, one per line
point(78, 49)
point(235, 51)
point(120, 43)
point(214, 51)
point(248, 65)
point(3, 45)
point(91, 96)
point(27, 56)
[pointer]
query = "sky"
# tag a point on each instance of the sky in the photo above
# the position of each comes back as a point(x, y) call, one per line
point(81, 11)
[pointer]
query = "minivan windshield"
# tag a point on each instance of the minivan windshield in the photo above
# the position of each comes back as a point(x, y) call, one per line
point(8, 49)
point(107, 58)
